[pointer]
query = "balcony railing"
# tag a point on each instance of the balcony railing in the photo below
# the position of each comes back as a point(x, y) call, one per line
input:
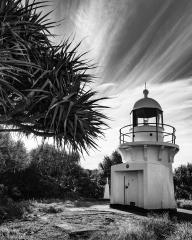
point(128, 132)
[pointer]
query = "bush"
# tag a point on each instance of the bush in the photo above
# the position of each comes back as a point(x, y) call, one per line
point(12, 209)
point(52, 209)
point(52, 173)
point(13, 154)
point(31, 184)
point(9, 209)
point(185, 204)
point(182, 181)
point(65, 170)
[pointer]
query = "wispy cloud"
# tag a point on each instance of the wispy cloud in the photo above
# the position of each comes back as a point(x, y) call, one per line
point(136, 41)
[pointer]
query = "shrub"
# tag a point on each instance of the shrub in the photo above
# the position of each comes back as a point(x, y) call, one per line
point(9, 209)
point(52, 209)
point(51, 173)
point(182, 181)
point(64, 169)
point(186, 204)
point(30, 184)
point(13, 154)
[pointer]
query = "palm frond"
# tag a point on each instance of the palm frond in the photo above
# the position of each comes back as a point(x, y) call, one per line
point(45, 89)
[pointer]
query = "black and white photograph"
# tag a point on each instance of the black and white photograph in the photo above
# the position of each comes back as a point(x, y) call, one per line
point(95, 119)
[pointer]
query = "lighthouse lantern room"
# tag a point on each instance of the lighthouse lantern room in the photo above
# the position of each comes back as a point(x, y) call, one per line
point(147, 146)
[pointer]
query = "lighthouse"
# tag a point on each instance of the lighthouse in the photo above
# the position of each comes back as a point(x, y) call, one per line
point(147, 147)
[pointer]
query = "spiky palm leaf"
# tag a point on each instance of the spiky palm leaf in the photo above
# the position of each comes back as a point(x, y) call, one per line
point(43, 88)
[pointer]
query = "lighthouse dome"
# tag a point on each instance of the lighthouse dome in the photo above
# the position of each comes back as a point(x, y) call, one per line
point(146, 102)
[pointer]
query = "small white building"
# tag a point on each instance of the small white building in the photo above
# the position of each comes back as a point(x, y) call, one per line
point(106, 190)
point(147, 147)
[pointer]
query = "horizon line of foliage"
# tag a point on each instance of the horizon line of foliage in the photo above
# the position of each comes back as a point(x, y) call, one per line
point(47, 172)
point(45, 88)
point(44, 172)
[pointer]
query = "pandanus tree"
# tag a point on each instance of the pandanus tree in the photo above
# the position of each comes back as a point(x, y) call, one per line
point(44, 88)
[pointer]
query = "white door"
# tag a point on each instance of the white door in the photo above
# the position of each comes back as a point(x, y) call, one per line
point(131, 188)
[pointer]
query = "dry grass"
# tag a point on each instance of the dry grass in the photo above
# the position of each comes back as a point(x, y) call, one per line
point(51, 220)
point(153, 228)
point(183, 231)
point(8, 234)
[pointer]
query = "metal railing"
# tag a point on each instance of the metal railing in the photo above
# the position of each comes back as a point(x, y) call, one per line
point(127, 133)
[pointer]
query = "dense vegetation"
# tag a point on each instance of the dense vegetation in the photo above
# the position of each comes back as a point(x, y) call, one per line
point(183, 181)
point(45, 172)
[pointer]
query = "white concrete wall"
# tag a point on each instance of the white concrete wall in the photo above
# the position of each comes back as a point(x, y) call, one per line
point(148, 133)
point(148, 151)
point(117, 182)
point(141, 189)
point(153, 163)
point(160, 187)
point(117, 188)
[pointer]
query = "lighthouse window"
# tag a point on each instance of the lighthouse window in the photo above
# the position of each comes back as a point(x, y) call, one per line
point(153, 120)
point(147, 116)
point(145, 121)
point(140, 121)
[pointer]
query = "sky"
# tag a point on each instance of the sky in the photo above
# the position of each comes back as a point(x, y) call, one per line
point(133, 42)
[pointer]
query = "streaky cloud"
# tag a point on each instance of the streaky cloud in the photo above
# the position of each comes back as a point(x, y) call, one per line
point(132, 42)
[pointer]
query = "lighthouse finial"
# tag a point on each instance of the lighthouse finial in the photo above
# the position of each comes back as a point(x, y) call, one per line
point(145, 91)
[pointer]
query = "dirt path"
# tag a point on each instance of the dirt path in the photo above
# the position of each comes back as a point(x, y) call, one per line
point(67, 220)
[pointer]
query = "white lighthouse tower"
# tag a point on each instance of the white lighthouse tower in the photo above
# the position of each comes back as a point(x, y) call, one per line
point(147, 146)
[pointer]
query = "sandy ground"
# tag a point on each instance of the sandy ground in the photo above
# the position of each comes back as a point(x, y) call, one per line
point(68, 220)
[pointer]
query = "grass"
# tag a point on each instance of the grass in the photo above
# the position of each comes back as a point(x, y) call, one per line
point(183, 232)
point(7, 234)
point(185, 204)
point(152, 228)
